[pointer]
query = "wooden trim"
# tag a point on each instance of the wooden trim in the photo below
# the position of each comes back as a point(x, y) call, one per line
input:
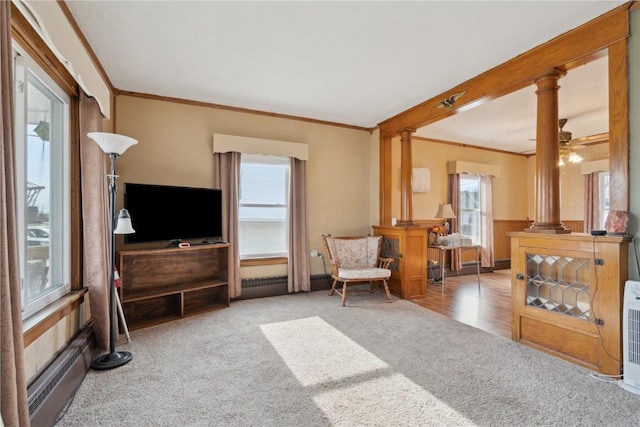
point(113, 112)
point(458, 144)
point(76, 250)
point(27, 37)
point(619, 125)
point(518, 72)
point(119, 92)
point(85, 43)
point(263, 261)
point(41, 322)
point(386, 179)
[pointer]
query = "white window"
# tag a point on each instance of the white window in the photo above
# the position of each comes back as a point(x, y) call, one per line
point(264, 211)
point(604, 197)
point(42, 178)
point(470, 213)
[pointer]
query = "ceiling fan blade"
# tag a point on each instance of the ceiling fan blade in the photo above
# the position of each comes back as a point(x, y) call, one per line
point(591, 139)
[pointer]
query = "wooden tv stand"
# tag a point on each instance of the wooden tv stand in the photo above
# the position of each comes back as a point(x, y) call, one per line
point(159, 285)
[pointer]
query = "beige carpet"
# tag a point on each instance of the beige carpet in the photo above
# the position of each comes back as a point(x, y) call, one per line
point(303, 360)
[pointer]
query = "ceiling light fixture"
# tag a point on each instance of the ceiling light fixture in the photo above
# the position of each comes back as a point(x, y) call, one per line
point(567, 145)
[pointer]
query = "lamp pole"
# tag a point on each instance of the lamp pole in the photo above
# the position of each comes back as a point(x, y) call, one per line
point(113, 145)
point(114, 358)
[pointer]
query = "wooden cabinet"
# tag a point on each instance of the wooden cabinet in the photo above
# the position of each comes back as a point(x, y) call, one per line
point(408, 246)
point(159, 285)
point(567, 296)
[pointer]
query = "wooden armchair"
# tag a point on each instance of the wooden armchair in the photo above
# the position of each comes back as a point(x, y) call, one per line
point(355, 260)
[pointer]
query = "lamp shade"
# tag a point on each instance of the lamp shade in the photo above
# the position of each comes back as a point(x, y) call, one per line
point(112, 143)
point(445, 211)
point(123, 225)
point(575, 157)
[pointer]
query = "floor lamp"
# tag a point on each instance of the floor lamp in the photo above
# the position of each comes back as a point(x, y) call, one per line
point(113, 145)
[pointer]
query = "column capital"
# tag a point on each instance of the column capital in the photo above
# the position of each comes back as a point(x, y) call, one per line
point(552, 74)
point(406, 132)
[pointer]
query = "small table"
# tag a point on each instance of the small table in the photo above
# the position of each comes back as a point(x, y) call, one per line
point(444, 249)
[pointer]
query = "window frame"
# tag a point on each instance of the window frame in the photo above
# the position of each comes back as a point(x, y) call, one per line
point(265, 160)
point(27, 71)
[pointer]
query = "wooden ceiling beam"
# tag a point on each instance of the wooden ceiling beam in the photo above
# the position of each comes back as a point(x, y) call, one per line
point(569, 50)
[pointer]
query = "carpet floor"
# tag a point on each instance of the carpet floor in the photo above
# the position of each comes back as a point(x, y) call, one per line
point(303, 360)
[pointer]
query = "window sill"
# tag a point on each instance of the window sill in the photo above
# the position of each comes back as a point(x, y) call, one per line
point(253, 262)
point(40, 322)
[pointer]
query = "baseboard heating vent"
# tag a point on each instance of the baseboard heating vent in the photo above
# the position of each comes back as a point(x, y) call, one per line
point(49, 393)
point(263, 281)
point(274, 286)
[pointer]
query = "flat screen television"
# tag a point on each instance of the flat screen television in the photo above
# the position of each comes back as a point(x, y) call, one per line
point(171, 213)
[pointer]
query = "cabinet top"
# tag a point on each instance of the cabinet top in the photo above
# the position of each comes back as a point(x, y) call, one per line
point(196, 247)
point(584, 237)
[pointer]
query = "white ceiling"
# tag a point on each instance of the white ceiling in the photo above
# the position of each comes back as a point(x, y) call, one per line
point(355, 63)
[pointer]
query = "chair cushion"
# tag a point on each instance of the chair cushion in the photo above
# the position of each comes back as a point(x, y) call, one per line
point(355, 253)
point(351, 253)
point(364, 273)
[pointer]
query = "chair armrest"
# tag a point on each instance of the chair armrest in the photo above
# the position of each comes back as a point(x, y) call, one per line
point(385, 262)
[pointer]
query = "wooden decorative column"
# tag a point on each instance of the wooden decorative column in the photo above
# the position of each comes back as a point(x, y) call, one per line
point(547, 197)
point(406, 242)
point(406, 167)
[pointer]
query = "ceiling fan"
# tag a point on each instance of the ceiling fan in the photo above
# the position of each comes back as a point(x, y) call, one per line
point(568, 146)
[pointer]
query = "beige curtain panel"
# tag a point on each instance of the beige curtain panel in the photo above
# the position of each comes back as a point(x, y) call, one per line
point(95, 213)
point(13, 388)
point(226, 176)
point(298, 275)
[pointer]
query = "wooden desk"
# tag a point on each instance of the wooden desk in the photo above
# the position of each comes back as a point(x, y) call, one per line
point(444, 249)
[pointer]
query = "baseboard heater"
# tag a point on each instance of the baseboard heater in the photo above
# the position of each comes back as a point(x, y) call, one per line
point(273, 286)
point(53, 388)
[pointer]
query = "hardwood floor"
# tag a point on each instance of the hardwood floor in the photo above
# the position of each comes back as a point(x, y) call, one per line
point(488, 309)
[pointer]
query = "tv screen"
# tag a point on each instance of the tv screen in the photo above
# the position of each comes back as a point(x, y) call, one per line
point(161, 212)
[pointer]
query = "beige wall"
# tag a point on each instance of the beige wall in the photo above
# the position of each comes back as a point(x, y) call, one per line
point(509, 189)
point(39, 353)
point(175, 141)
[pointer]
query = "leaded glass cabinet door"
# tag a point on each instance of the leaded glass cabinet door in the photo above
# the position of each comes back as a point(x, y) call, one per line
point(559, 283)
point(567, 296)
